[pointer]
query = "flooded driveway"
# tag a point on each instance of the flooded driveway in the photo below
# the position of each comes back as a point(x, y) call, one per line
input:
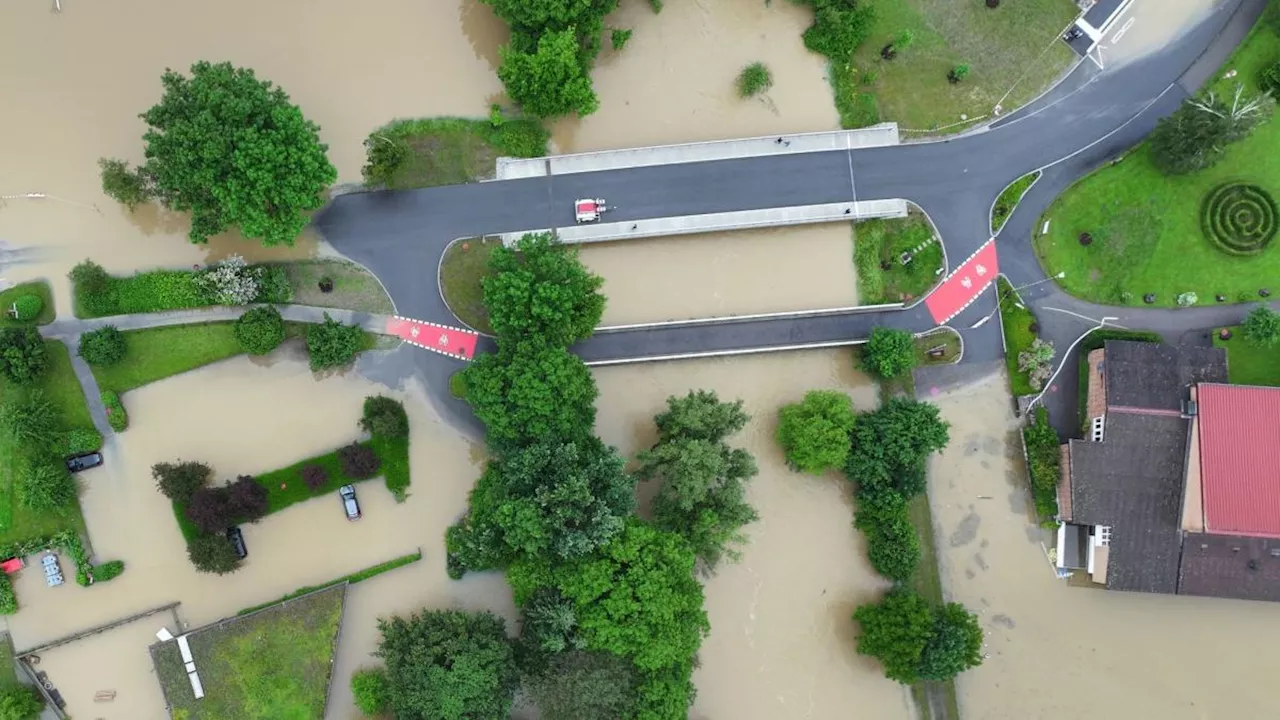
point(808, 267)
point(782, 636)
point(1066, 652)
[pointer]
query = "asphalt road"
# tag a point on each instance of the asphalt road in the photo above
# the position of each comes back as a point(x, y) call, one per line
point(1087, 120)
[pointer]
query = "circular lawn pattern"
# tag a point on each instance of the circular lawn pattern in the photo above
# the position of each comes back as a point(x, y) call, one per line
point(1239, 219)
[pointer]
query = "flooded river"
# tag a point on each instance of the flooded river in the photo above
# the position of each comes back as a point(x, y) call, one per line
point(1059, 652)
point(782, 637)
point(806, 267)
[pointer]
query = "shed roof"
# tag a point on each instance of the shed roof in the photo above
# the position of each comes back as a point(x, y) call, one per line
point(1154, 376)
point(1240, 458)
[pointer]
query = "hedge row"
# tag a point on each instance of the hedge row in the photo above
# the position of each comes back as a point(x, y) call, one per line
point(1043, 464)
point(162, 290)
point(353, 578)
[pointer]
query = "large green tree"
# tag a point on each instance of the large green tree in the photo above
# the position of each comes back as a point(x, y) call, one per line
point(448, 665)
point(551, 79)
point(557, 499)
point(889, 353)
point(529, 392)
point(580, 685)
point(891, 444)
point(956, 644)
point(637, 597)
point(540, 289)
point(895, 631)
point(814, 433)
point(233, 151)
point(1196, 135)
point(703, 493)
point(537, 16)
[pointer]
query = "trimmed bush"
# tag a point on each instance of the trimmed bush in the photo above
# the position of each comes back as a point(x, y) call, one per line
point(22, 354)
point(181, 480)
point(213, 554)
point(889, 353)
point(754, 79)
point(384, 417)
point(273, 284)
point(210, 510)
point(27, 308)
point(260, 330)
point(246, 499)
point(1239, 218)
point(104, 346)
point(116, 415)
point(108, 571)
point(80, 440)
point(95, 295)
point(332, 344)
point(369, 688)
point(359, 461)
point(8, 599)
point(315, 476)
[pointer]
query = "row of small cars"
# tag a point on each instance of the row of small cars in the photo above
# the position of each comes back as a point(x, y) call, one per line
point(350, 505)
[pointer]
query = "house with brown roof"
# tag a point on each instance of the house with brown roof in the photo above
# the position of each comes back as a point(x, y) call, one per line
point(1176, 488)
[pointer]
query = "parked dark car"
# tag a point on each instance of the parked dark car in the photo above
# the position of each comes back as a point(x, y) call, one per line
point(349, 502)
point(76, 463)
point(237, 541)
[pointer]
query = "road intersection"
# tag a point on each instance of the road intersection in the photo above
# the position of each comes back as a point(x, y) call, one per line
point(1089, 119)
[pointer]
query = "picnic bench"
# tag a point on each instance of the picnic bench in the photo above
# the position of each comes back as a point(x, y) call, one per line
point(52, 572)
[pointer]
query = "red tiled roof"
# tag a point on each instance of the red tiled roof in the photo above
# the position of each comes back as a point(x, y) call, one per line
point(1240, 458)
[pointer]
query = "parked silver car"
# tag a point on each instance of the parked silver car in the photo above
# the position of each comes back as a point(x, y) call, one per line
point(349, 502)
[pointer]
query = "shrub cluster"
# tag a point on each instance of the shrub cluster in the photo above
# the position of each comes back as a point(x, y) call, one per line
point(27, 308)
point(1043, 464)
point(1239, 218)
point(889, 353)
point(260, 330)
point(116, 415)
point(359, 462)
point(23, 359)
point(104, 346)
point(8, 599)
point(914, 641)
point(333, 344)
point(20, 702)
point(230, 282)
point(839, 27)
point(108, 571)
point(754, 79)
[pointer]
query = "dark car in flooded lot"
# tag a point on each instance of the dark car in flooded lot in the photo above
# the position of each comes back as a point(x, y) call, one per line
point(237, 541)
point(76, 463)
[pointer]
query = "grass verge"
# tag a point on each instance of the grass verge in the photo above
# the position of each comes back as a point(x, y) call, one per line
point(1010, 49)
point(1018, 322)
point(1249, 364)
point(944, 339)
point(458, 385)
point(40, 289)
point(453, 150)
point(275, 664)
point(927, 581)
point(463, 266)
point(353, 578)
point(157, 353)
point(8, 670)
point(354, 288)
point(59, 385)
point(878, 246)
point(1009, 199)
point(1145, 226)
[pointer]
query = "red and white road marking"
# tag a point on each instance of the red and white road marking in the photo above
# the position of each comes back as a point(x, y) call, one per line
point(438, 338)
point(965, 284)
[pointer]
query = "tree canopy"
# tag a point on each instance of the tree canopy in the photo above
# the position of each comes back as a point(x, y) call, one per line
point(231, 150)
point(814, 433)
point(637, 597)
point(580, 685)
point(551, 80)
point(1262, 326)
point(540, 289)
point(22, 355)
point(557, 499)
point(1195, 136)
point(914, 641)
point(889, 353)
point(891, 444)
point(703, 493)
point(531, 392)
point(448, 665)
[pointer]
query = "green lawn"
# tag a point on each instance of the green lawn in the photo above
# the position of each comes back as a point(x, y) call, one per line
point(945, 338)
point(157, 353)
point(1009, 199)
point(1248, 364)
point(274, 665)
point(928, 583)
point(453, 150)
point(40, 289)
point(463, 266)
point(353, 578)
point(60, 386)
point(1145, 226)
point(1018, 336)
point(877, 247)
point(354, 288)
point(8, 670)
point(1012, 46)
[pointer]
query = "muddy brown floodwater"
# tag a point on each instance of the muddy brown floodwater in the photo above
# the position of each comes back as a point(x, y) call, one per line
point(674, 80)
point(76, 81)
point(1066, 652)
point(732, 273)
point(782, 636)
point(247, 417)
